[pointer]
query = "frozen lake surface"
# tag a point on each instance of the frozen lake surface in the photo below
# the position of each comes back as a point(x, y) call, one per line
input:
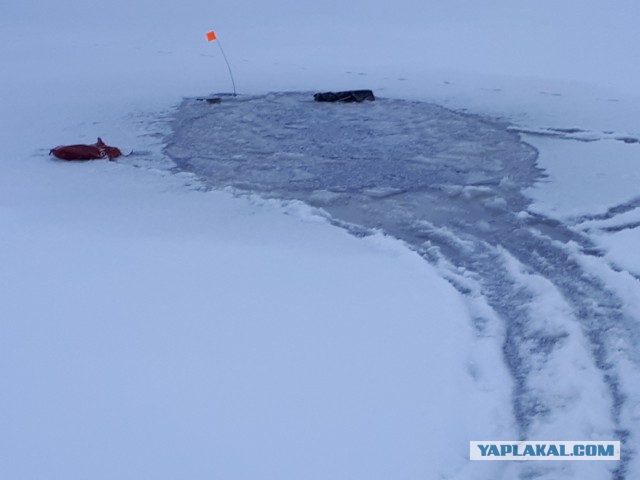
point(451, 186)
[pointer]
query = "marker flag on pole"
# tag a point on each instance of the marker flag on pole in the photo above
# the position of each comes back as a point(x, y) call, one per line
point(211, 36)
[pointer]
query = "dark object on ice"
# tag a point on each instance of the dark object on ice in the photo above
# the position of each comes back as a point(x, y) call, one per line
point(349, 96)
point(96, 151)
point(211, 100)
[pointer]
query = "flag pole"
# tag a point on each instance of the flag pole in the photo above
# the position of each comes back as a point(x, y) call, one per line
point(229, 68)
point(211, 36)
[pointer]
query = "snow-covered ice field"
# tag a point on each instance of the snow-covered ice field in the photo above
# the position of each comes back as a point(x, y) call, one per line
point(153, 327)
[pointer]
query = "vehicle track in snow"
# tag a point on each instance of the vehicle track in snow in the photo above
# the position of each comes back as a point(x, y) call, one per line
point(449, 185)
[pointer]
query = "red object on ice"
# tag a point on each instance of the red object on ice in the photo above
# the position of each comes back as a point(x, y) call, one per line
point(86, 152)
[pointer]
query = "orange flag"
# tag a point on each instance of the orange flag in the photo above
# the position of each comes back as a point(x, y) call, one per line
point(211, 36)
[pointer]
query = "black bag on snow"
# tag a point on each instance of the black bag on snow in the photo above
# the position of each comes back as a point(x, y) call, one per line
point(349, 96)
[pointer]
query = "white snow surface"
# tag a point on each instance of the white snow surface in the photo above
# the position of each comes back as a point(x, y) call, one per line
point(152, 329)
